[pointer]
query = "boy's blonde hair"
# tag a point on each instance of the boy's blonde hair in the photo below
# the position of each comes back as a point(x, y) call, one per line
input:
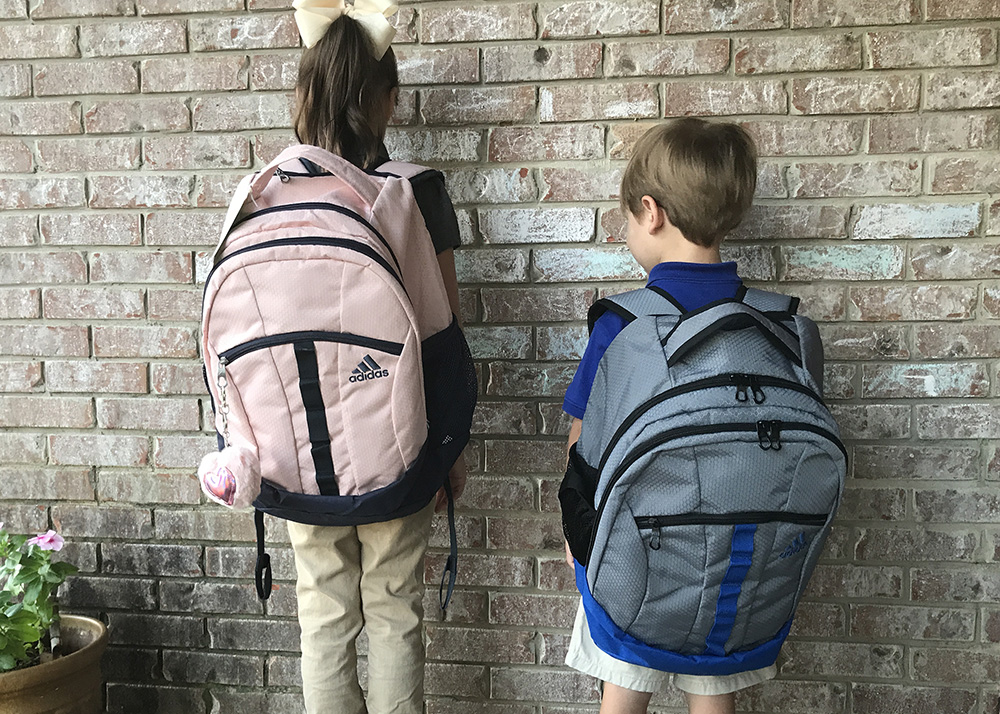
point(702, 174)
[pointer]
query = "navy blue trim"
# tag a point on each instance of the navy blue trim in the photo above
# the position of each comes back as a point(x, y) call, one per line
point(740, 559)
point(620, 645)
point(354, 245)
point(735, 321)
point(321, 206)
point(669, 298)
point(319, 430)
point(286, 338)
point(604, 305)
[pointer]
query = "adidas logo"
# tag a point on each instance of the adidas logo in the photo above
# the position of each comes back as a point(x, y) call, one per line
point(798, 544)
point(367, 369)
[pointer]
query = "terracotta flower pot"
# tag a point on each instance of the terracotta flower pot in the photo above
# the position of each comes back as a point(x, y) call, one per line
point(70, 684)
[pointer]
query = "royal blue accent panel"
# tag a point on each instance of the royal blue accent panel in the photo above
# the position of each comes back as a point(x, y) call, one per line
point(611, 639)
point(740, 558)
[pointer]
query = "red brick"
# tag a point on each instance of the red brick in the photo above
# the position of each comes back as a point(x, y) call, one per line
point(798, 53)
point(491, 185)
point(12, 9)
point(807, 137)
point(504, 533)
point(482, 22)
point(46, 412)
point(461, 680)
point(972, 9)
point(948, 585)
point(176, 452)
point(822, 303)
point(196, 152)
point(529, 380)
point(91, 376)
point(815, 13)
point(194, 73)
point(561, 265)
point(499, 342)
point(20, 303)
point(37, 341)
point(145, 37)
point(273, 72)
point(519, 63)
point(20, 377)
point(846, 262)
point(237, 112)
point(266, 147)
point(922, 544)
point(18, 230)
point(175, 305)
point(902, 220)
point(589, 102)
point(93, 303)
point(961, 90)
point(535, 143)
point(778, 222)
point(41, 193)
point(48, 9)
point(951, 341)
point(451, 65)
point(792, 696)
point(135, 267)
point(954, 665)
point(916, 462)
point(823, 180)
point(536, 684)
point(127, 116)
point(176, 379)
point(132, 487)
point(40, 118)
point(149, 414)
point(876, 421)
point(556, 611)
point(434, 145)
point(971, 175)
point(15, 80)
point(243, 32)
point(601, 18)
point(922, 381)
point(698, 15)
point(405, 113)
point(21, 449)
point(139, 191)
point(667, 57)
point(15, 157)
point(485, 105)
point(536, 304)
point(30, 41)
point(46, 485)
point(84, 155)
point(523, 225)
point(907, 699)
point(405, 21)
point(913, 302)
point(215, 190)
point(966, 46)
point(933, 133)
point(90, 229)
point(167, 7)
point(595, 184)
point(479, 645)
point(165, 228)
point(721, 98)
point(87, 77)
point(931, 262)
point(162, 342)
point(856, 95)
point(852, 660)
point(504, 418)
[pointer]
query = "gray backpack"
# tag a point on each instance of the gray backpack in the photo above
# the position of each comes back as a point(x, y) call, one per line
point(701, 491)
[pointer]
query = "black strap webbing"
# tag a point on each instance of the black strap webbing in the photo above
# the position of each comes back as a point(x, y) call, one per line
point(451, 565)
point(262, 570)
point(319, 432)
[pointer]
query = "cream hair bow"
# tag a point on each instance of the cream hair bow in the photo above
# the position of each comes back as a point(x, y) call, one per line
point(314, 17)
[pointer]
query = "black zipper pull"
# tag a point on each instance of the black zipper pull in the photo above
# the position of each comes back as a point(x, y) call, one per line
point(776, 435)
point(764, 434)
point(741, 386)
point(654, 538)
point(758, 393)
point(282, 176)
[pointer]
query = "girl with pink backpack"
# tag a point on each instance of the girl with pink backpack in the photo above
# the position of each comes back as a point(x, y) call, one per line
point(342, 386)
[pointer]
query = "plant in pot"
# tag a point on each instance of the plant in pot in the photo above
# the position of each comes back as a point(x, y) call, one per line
point(48, 663)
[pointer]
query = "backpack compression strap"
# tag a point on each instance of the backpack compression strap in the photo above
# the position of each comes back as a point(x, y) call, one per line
point(633, 304)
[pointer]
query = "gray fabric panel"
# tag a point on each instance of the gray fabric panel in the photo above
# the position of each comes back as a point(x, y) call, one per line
point(644, 302)
point(693, 327)
point(767, 301)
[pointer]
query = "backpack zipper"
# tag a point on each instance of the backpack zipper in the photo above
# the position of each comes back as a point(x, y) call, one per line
point(322, 206)
point(657, 523)
point(234, 353)
point(356, 246)
point(774, 431)
point(743, 382)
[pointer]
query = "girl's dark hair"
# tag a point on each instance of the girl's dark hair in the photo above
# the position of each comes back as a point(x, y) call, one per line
point(343, 93)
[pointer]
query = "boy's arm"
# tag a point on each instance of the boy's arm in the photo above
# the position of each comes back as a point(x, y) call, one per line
point(574, 435)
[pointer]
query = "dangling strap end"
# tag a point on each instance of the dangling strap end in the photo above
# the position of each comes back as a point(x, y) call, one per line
point(262, 570)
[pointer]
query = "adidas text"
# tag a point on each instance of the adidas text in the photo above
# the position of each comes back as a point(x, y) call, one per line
point(369, 375)
point(367, 369)
point(798, 544)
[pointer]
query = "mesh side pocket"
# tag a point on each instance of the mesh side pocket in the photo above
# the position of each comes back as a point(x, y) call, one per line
point(450, 391)
point(576, 498)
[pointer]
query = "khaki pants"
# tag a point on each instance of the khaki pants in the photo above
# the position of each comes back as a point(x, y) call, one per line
point(368, 576)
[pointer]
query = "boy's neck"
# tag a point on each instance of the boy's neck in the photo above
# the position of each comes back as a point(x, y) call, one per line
point(678, 249)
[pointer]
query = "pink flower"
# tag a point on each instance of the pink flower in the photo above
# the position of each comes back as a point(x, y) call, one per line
point(49, 540)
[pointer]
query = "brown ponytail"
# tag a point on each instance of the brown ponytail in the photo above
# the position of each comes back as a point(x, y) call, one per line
point(344, 93)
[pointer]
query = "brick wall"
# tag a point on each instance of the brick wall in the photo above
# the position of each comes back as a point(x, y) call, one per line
point(126, 123)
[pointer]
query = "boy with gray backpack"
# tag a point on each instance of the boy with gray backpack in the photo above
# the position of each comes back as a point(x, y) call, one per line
point(704, 468)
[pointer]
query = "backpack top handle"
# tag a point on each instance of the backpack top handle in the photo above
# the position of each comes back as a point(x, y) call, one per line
point(696, 327)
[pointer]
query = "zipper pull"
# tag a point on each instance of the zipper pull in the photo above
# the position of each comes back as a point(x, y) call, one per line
point(654, 539)
point(776, 435)
point(741, 386)
point(758, 393)
point(282, 176)
point(764, 434)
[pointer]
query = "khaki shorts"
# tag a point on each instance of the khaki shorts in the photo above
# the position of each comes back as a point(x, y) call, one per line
point(587, 657)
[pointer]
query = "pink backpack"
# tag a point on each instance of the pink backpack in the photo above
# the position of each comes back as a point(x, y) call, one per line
point(342, 386)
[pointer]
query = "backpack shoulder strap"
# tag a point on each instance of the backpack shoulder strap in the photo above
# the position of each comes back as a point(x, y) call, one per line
point(403, 169)
point(769, 302)
point(633, 304)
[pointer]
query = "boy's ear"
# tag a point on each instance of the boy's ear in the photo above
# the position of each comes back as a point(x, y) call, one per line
point(654, 214)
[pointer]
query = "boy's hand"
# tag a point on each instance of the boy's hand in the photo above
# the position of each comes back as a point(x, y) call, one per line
point(457, 476)
point(569, 555)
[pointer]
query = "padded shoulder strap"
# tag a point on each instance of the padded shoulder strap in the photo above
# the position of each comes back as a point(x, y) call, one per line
point(633, 304)
point(770, 302)
point(402, 169)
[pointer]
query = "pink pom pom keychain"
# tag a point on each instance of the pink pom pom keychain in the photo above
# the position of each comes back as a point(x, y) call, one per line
point(230, 477)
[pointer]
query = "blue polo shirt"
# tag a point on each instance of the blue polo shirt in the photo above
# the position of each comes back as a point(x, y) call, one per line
point(691, 284)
